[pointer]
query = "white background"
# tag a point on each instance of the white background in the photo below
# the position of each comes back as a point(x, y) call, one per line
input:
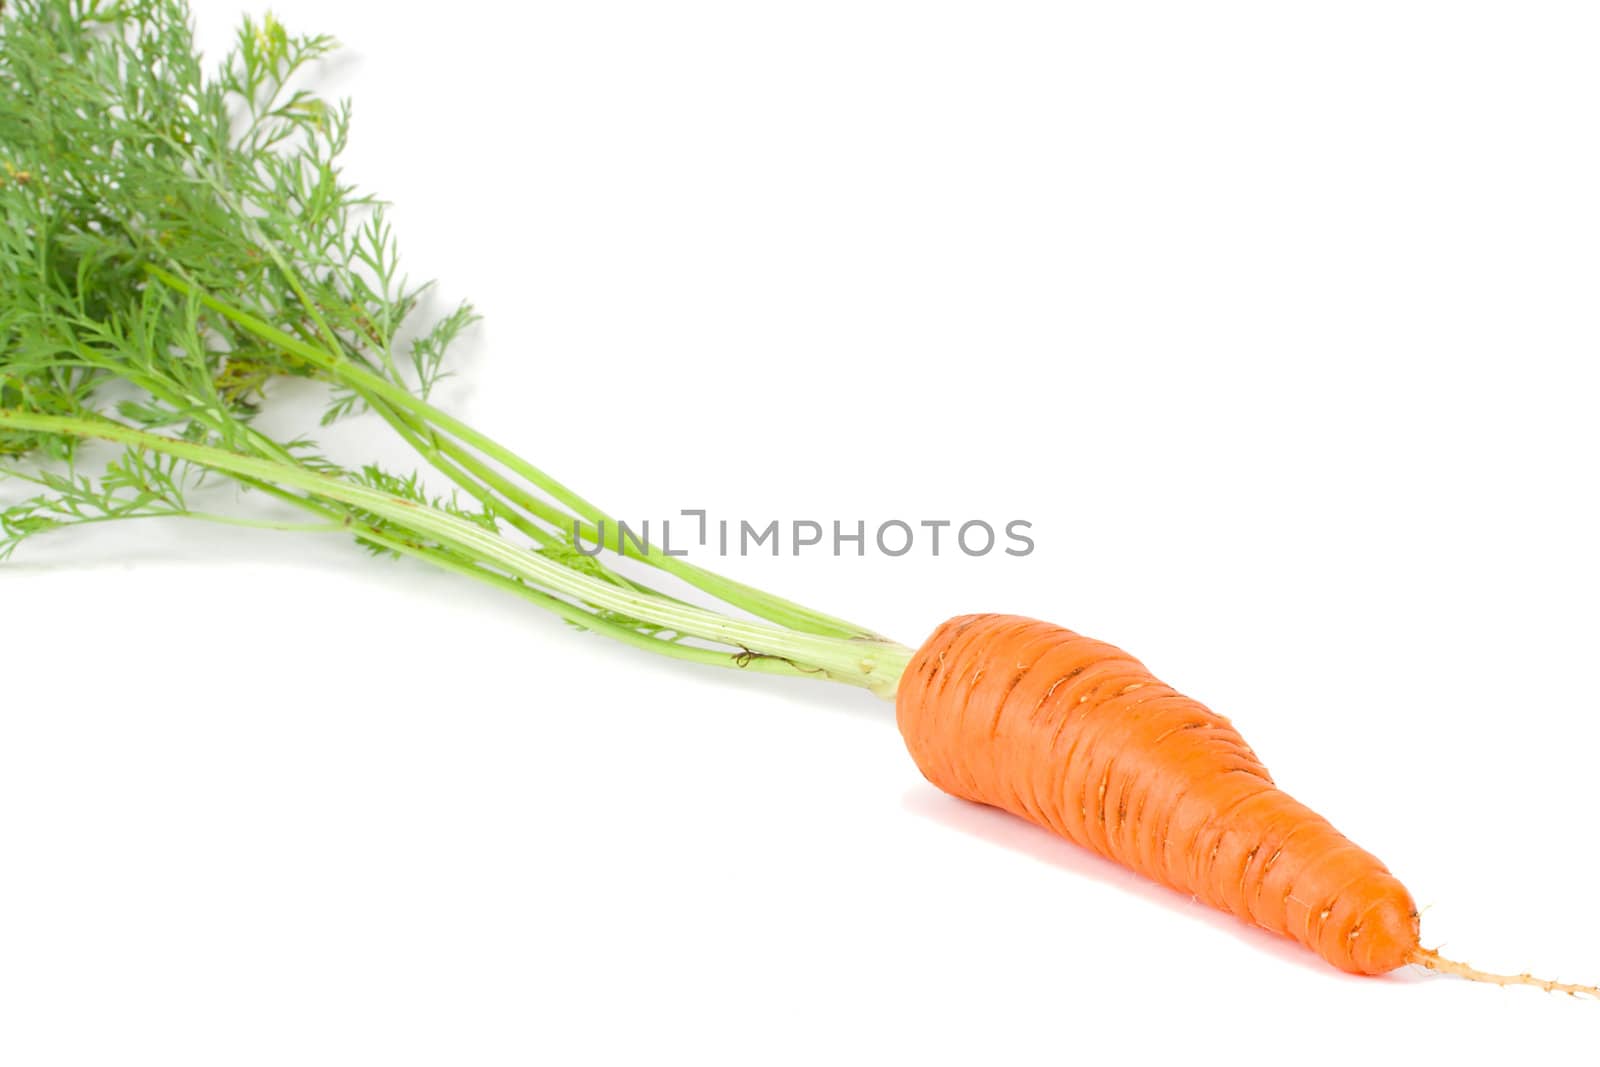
point(1277, 321)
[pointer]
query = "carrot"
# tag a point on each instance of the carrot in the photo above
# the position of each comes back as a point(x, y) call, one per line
point(150, 310)
point(1079, 737)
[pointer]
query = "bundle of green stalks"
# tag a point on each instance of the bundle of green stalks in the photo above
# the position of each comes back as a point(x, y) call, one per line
point(176, 239)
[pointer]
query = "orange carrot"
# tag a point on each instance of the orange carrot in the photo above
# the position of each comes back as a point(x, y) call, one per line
point(1078, 736)
point(112, 332)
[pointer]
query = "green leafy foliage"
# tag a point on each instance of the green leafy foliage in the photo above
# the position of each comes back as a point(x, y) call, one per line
point(118, 150)
point(175, 241)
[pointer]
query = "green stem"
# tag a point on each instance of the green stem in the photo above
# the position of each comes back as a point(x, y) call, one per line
point(207, 516)
point(262, 524)
point(873, 664)
point(480, 480)
point(588, 620)
point(585, 518)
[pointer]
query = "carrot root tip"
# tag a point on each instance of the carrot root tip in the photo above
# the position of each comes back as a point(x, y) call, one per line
point(1431, 960)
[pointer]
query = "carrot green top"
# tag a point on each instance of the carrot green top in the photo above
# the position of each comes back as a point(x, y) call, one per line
point(175, 239)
